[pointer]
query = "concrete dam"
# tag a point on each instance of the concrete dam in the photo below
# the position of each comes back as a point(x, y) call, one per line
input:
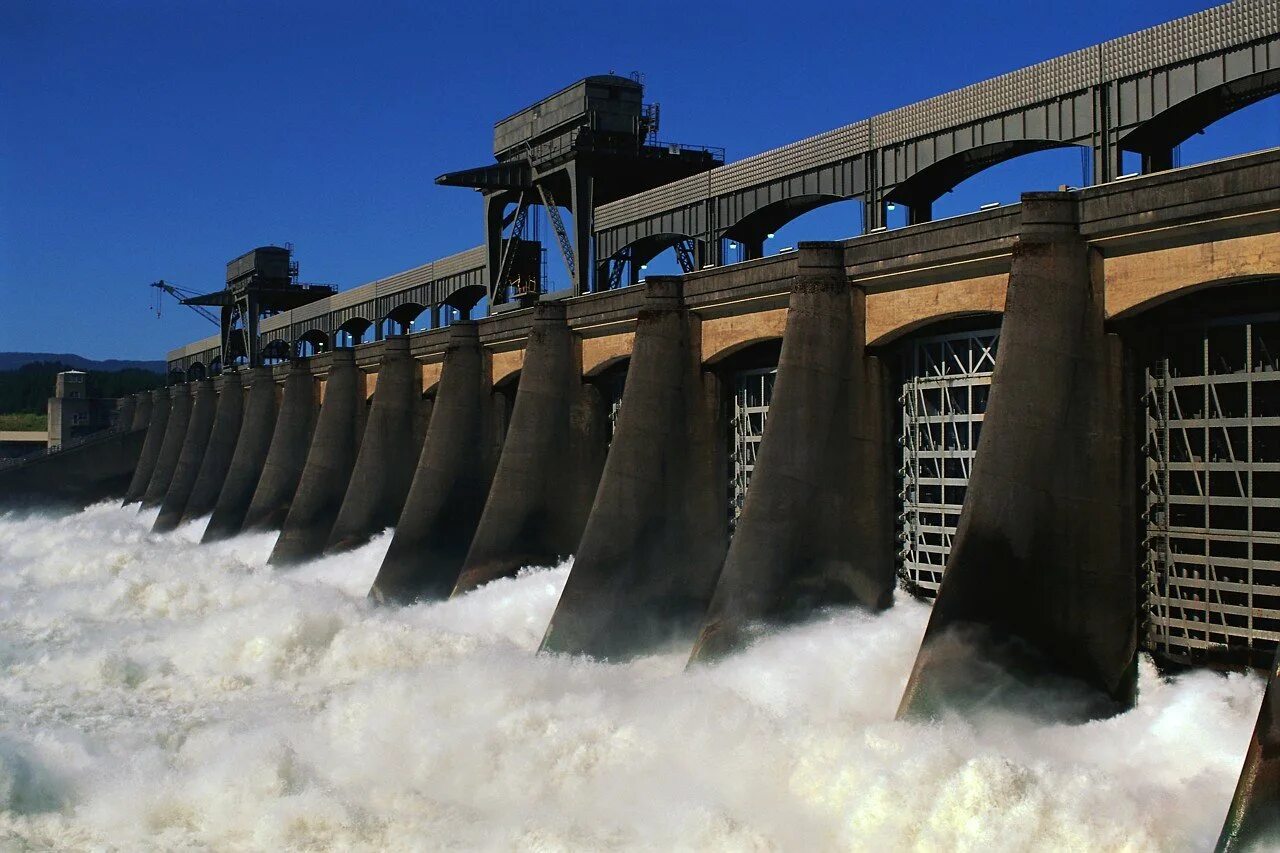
point(1059, 420)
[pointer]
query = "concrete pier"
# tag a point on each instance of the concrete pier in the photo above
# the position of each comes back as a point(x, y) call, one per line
point(655, 540)
point(170, 447)
point(247, 461)
point(221, 448)
point(450, 484)
point(287, 457)
point(141, 411)
point(156, 426)
point(187, 470)
point(1041, 582)
point(817, 526)
point(329, 464)
point(392, 439)
point(1254, 816)
point(551, 460)
point(125, 409)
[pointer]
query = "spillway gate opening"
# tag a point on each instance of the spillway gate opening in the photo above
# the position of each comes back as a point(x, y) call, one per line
point(945, 386)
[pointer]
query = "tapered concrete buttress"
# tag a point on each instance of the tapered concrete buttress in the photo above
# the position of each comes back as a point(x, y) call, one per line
point(125, 409)
point(391, 445)
point(551, 460)
point(1254, 816)
point(222, 447)
point(141, 411)
point(451, 481)
point(655, 540)
point(817, 525)
point(329, 463)
point(1038, 599)
point(248, 459)
point(171, 446)
point(290, 440)
point(156, 426)
point(204, 409)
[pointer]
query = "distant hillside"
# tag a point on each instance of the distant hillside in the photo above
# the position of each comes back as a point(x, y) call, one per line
point(14, 360)
point(28, 388)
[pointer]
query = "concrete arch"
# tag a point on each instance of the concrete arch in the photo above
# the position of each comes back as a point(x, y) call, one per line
point(1139, 282)
point(919, 191)
point(196, 371)
point(726, 337)
point(177, 376)
point(465, 298)
point(505, 367)
point(1156, 138)
point(891, 314)
point(608, 365)
point(276, 350)
point(647, 248)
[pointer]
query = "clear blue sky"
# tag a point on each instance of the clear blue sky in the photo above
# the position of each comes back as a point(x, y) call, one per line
point(158, 139)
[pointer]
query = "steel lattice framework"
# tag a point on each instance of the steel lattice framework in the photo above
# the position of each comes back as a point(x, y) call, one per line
point(944, 398)
point(752, 395)
point(1212, 492)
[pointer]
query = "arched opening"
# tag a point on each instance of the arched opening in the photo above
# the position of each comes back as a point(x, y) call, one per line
point(608, 380)
point(196, 372)
point(1024, 165)
point(402, 320)
point(463, 304)
point(944, 372)
point(177, 376)
point(312, 342)
point(1180, 134)
point(504, 403)
point(1209, 452)
point(215, 367)
point(657, 254)
point(780, 226)
point(276, 351)
point(747, 374)
point(351, 333)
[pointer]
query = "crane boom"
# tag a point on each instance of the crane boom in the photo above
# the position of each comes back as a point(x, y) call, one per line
point(181, 294)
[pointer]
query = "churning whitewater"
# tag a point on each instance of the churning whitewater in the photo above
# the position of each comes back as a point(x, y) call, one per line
point(158, 694)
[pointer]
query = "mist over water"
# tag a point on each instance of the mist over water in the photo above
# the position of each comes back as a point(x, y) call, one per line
point(159, 694)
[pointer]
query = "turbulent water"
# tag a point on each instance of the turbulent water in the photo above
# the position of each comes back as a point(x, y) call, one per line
point(157, 694)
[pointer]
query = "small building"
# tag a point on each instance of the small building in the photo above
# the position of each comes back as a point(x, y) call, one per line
point(73, 413)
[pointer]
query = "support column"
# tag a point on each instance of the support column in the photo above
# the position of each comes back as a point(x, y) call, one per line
point(1160, 160)
point(282, 470)
point(582, 191)
point(1042, 579)
point(125, 408)
point(919, 212)
point(141, 411)
point(392, 438)
point(171, 447)
point(185, 472)
point(655, 540)
point(451, 481)
point(248, 459)
point(329, 463)
point(550, 464)
point(156, 425)
point(493, 207)
point(221, 449)
point(1254, 816)
point(817, 526)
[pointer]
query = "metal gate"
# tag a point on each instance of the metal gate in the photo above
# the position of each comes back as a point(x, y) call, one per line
point(752, 394)
point(1212, 492)
point(944, 398)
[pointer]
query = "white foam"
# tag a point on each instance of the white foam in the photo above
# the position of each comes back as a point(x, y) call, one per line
point(161, 694)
